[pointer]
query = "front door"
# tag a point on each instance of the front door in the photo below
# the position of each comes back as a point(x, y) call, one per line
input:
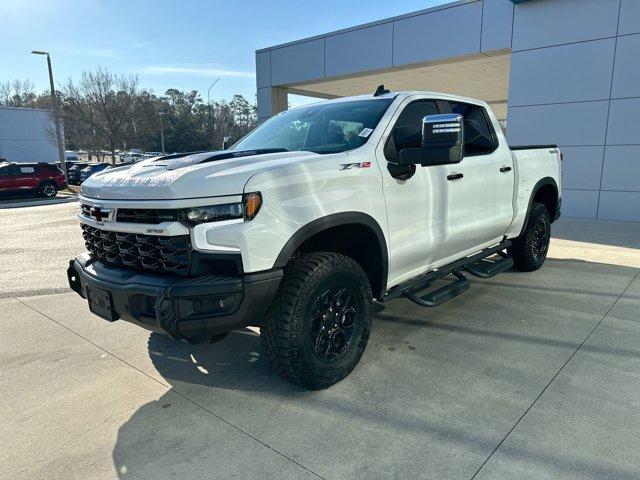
point(426, 212)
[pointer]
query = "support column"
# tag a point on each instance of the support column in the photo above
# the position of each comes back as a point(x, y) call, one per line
point(271, 101)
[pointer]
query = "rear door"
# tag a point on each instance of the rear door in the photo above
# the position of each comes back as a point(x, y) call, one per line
point(488, 176)
point(26, 177)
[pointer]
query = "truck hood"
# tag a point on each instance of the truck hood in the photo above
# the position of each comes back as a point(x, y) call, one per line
point(208, 174)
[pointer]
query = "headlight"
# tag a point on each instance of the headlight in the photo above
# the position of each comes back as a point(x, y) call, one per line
point(247, 209)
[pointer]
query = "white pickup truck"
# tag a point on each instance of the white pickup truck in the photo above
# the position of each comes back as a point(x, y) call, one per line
point(303, 223)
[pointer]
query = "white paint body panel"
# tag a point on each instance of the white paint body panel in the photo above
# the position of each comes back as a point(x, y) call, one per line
point(427, 220)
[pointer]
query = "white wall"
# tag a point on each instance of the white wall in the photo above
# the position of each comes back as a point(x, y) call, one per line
point(24, 135)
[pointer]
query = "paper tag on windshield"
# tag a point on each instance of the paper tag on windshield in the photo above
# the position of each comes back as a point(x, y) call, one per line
point(365, 132)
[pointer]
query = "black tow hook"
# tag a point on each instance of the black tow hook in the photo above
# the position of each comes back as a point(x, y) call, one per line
point(74, 279)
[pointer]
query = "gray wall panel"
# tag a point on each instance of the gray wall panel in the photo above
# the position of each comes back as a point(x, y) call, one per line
point(568, 124)
point(629, 17)
point(543, 23)
point(297, 63)
point(624, 122)
point(445, 33)
point(626, 76)
point(264, 98)
point(497, 23)
point(579, 203)
point(271, 100)
point(622, 168)
point(359, 50)
point(263, 69)
point(568, 73)
point(581, 167)
point(620, 206)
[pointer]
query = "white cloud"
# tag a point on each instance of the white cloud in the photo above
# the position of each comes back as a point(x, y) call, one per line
point(197, 71)
point(141, 45)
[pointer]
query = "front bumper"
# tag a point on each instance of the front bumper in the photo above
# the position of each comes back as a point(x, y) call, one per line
point(192, 309)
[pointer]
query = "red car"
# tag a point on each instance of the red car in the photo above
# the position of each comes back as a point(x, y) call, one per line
point(43, 179)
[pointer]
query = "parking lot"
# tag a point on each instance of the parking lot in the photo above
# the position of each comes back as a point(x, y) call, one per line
point(525, 376)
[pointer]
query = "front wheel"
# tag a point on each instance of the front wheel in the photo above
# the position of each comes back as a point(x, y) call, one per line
point(529, 250)
point(317, 328)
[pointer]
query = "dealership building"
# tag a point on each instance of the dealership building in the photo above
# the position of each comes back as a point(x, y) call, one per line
point(563, 72)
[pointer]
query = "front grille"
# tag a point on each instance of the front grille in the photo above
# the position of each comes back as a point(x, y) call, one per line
point(141, 252)
point(85, 209)
point(146, 215)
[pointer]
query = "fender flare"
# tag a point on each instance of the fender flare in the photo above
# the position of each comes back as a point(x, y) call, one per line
point(541, 183)
point(307, 231)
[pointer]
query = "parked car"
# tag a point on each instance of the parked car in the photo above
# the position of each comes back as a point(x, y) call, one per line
point(74, 172)
point(312, 216)
point(41, 179)
point(92, 168)
point(133, 155)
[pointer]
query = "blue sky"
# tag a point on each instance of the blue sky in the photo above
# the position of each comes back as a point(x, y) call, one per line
point(183, 44)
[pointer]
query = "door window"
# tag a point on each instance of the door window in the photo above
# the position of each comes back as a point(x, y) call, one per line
point(479, 137)
point(407, 132)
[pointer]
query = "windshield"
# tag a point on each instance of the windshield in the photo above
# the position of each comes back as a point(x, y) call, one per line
point(326, 128)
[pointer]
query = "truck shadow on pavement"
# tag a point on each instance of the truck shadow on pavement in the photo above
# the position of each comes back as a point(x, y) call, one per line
point(236, 363)
point(221, 391)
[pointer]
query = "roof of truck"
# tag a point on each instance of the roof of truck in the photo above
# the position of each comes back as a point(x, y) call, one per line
point(402, 95)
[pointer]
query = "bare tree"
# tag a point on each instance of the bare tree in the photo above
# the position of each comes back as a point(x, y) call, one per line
point(100, 109)
point(17, 93)
point(104, 112)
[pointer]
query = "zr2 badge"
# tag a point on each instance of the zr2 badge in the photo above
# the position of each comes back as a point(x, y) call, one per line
point(349, 166)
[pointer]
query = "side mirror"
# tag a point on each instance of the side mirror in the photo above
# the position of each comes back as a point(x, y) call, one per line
point(442, 142)
point(225, 143)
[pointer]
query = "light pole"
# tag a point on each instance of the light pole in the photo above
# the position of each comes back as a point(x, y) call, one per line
point(209, 106)
point(209, 91)
point(56, 115)
point(161, 114)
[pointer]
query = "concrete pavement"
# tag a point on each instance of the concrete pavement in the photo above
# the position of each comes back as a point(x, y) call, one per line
point(524, 376)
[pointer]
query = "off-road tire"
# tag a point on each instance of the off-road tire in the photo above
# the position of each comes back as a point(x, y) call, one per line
point(47, 190)
point(287, 332)
point(529, 250)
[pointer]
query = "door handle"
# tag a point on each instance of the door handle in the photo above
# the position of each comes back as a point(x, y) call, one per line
point(505, 169)
point(455, 176)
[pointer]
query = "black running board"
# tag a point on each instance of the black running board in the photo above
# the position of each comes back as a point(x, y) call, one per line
point(437, 297)
point(485, 268)
point(442, 294)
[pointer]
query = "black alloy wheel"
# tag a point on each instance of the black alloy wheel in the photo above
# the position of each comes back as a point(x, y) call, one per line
point(333, 323)
point(539, 244)
point(529, 250)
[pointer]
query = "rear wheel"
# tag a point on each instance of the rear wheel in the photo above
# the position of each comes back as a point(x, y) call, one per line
point(529, 250)
point(48, 190)
point(317, 328)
